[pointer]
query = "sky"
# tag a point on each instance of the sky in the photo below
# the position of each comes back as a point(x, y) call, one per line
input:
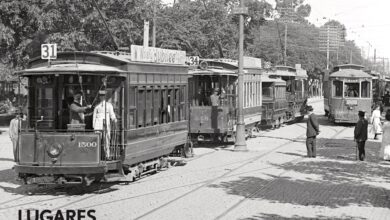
point(367, 22)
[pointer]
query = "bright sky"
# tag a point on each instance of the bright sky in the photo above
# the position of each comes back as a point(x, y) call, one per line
point(367, 22)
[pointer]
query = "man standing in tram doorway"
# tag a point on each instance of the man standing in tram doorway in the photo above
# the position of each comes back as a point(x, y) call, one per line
point(76, 110)
point(360, 134)
point(103, 114)
point(312, 131)
point(214, 98)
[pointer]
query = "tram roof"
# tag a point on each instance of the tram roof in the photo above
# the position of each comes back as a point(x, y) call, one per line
point(213, 71)
point(351, 73)
point(277, 81)
point(71, 68)
point(348, 66)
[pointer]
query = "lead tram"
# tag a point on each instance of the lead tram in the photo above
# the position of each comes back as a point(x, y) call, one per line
point(347, 91)
point(149, 100)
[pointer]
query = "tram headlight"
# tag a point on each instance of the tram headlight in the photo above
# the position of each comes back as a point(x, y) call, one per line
point(54, 150)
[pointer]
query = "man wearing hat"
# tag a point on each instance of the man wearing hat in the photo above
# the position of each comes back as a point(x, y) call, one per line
point(360, 134)
point(103, 114)
point(214, 98)
point(14, 127)
point(76, 110)
point(312, 130)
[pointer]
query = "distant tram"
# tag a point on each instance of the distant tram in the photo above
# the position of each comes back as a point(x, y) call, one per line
point(347, 91)
point(296, 92)
point(216, 121)
point(150, 104)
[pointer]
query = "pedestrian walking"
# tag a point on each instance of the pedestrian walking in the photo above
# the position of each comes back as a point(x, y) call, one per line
point(385, 145)
point(376, 122)
point(360, 134)
point(312, 131)
point(14, 127)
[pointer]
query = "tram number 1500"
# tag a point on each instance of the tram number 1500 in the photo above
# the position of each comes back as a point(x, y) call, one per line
point(87, 144)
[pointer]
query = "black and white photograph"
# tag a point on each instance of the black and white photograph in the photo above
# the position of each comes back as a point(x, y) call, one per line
point(194, 109)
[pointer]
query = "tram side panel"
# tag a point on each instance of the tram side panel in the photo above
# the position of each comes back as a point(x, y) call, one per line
point(346, 110)
point(157, 121)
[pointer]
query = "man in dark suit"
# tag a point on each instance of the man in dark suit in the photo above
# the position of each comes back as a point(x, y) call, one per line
point(312, 131)
point(361, 134)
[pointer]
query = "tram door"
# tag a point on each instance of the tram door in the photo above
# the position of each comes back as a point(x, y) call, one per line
point(116, 98)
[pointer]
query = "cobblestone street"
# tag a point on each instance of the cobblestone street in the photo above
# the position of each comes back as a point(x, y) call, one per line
point(273, 180)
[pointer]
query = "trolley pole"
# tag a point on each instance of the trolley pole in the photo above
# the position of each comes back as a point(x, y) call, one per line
point(240, 144)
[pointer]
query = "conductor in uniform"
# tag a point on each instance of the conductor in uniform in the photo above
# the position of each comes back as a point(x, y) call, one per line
point(103, 114)
point(360, 134)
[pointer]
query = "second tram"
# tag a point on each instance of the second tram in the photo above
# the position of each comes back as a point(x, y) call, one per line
point(347, 91)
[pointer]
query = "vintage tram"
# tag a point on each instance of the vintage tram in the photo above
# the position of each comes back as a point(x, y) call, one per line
point(148, 91)
point(296, 92)
point(274, 106)
point(215, 120)
point(347, 91)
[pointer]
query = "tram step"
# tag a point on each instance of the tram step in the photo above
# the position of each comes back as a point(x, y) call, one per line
point(115, 177)
point(114, 165)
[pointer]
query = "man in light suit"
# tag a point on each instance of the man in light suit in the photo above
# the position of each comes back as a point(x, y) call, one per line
point(312, 131)
point(103, 114)
point(360, 134)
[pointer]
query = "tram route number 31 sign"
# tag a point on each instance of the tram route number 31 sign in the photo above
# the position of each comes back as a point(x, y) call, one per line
point(48, 51)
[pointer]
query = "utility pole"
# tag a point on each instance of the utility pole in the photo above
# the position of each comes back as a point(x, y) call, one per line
point(240, 144)
point(154, 25)
point(327, 47)
point(285, 44)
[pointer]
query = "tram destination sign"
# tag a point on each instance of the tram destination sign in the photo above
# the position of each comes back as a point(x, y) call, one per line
point(157, 55)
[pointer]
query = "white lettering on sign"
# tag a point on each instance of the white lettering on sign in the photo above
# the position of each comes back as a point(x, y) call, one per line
point(48, 51)
point(157, 55)
point(192, 60)
point(87, 144)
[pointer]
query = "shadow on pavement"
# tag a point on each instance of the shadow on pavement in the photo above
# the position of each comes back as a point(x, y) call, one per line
point(334, 179)
point(296, 217)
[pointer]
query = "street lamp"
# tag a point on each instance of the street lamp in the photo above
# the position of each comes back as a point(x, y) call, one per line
point(240, 144)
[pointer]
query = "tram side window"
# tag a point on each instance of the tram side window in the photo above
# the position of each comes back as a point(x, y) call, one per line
point(337, 88)
point(148, 108)
point(156, 106)
point(351, 90)
point(365, 89)
point(132, 107)
point(141, 108)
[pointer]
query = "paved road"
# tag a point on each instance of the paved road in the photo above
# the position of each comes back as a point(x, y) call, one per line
point(273, 180)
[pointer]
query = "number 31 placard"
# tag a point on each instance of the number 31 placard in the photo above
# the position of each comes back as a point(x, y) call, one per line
point(48, 51)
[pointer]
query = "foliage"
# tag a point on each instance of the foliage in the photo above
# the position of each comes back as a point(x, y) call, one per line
point(206, 28)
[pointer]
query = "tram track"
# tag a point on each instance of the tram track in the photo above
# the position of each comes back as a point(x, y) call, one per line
point(233, 170)
point(258, 190)
point(203, 183)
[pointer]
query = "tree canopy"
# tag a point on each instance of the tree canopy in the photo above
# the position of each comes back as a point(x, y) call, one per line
point(206, 28)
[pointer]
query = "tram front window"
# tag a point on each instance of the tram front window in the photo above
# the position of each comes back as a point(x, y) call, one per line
point(351, 90)
point(365, 89)
point(337, 88)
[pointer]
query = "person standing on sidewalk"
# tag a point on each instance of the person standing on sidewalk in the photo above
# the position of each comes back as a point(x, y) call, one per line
point(312, 131)
point(14, 127)
point(376, 122)
point(385, 145)
point(360, 134)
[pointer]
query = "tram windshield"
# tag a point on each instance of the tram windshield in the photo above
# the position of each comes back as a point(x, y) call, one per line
point(51, 97)
point(209, 90)
point(351, 89)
